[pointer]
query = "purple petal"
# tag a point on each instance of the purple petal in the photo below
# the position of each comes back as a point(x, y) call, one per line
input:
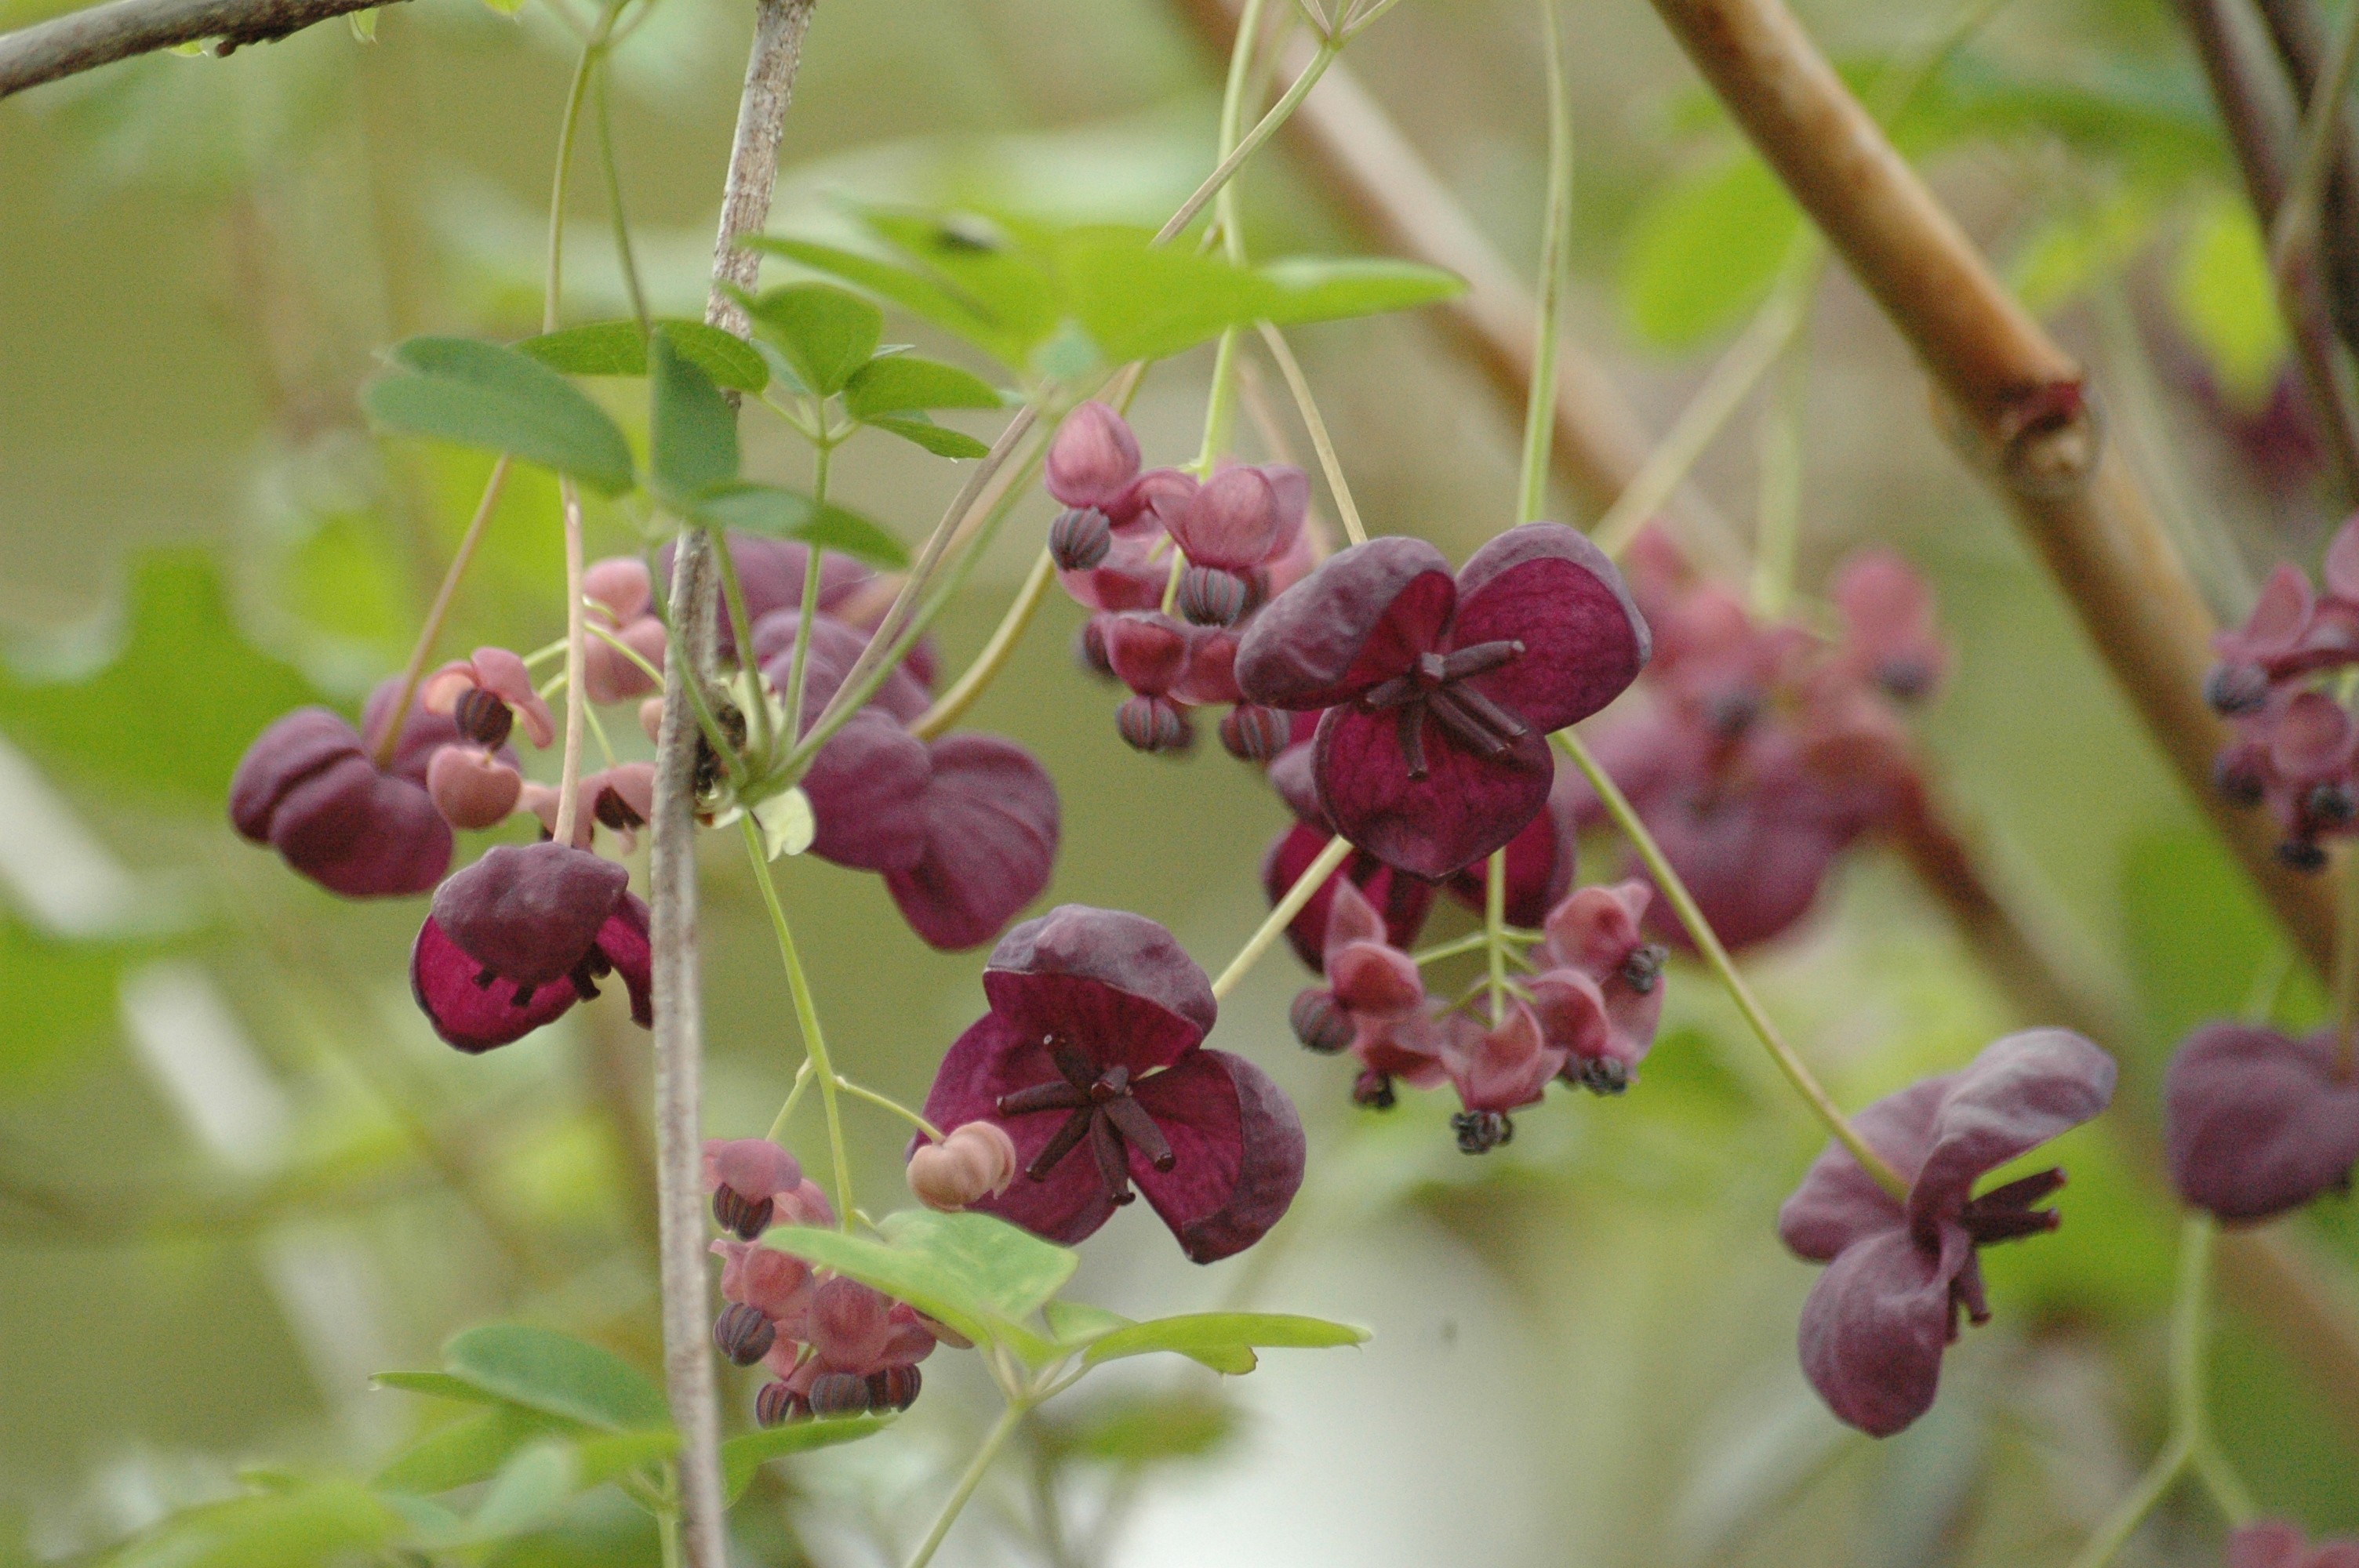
point(833, 647)
point(1233, 521)
point(2255, 1123)
point(529, 911)
point(1360, 619)
point(1465, 806)
point(1838, 1205)
point(474, 1018)
point(623, 941)
point(995, 1057)
point(867, 788)
point(1239, 1151)
point(1402, 899)
point(771, 572)
point(991, 825)
point(1115, 984)
point(1548, 587)
point(1540, 860)
point(2268, 1543)
point(1753, 861)
point(422, 733)
point(1875, 1328)
point(1503, 1068)
point(2023, 1090)
point(290, 751)
point(362, 833)
point(753, 1166)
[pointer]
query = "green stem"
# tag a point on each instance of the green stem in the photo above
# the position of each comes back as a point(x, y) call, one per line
point(1708, 944)
point(806, 1017)
point(991, 1443)
point(1494, 925)
point(1556, 266)
point(1280, 112)
point(803, 1075)
point(1777, 521)
point(2229, 1493)
point(390, 739)
point(616, 213)
point(2124, 1522)
point(1472, 942)
point(1314, 876)
point(886, 1102)
point(2187, 1324)
point(1322, 443)
point(808, 615)
point(948, 708)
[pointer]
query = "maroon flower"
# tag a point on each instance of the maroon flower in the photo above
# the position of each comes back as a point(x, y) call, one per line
point(1375, 1004)
point(964, 829)
point(754, 1183)
point(2274, 1543)
point(485, 694)
point(310, 788)
point(1897, 1275)
point(771, 573)
point(1092, 1060)
point(1599, 992)
point(2256, 1123)
point(519, 936)
point(1440, 693)
point(1402, 899)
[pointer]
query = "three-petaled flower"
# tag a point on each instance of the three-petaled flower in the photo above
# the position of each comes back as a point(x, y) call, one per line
point(1092, 1060)
point(1898, 1274)
point(1440, 692)
point(2255, 1123)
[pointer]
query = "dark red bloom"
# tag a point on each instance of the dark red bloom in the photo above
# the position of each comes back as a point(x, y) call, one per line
point(964, 829)
point(1441, 693)
point(1401, 899)
point(1091, 1061)
point(771, 572)
point(1898, 1276)
point(2274, 1543)
point(310, 788)
point(519, 938)
point(2256, 1123)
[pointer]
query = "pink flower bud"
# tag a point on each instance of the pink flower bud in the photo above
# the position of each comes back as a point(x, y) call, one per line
point(619, 584)
point(849, 1322)
point(472, 789)
point(975, 1160)
point(608, 675)
point(499, 672)
point(651, 717)
point(1092, 458)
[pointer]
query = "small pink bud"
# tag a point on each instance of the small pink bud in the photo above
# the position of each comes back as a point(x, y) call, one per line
point(608, 675)
point(618, 585)
point(472, 789)
point(848, 1321)
point(651, 717)
point(1093, 456)
point(975, 1160)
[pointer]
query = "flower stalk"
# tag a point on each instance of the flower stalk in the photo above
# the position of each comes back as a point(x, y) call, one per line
point(1556, 269)
point(806, 1017)
point(1314, 877)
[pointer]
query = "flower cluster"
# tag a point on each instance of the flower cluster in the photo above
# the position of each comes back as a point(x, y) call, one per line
point(2295, 751)
point(1585, 1013)
point(2274, 1543)
point(1134, 545)
point(1900, 1272)
point(835, 1346)
point(2256, 1123)
point(1762, 751)
point(1092, 1064)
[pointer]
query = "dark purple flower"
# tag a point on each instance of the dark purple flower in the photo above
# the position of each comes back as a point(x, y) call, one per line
point(2256, 1123)
point(1441, 693)
point(310, 788)
point(1897, 1275)
point(964, 829)
point(1092, 1060)
point(771, 573)
point(2274, 1543)
point(1401, 899)
point(519, 938)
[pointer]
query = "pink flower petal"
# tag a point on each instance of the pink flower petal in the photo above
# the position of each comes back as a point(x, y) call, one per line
point(991, 831)
point(1361, 618)
point(1548, 587)
point(1875, 1328)
point(1115, 984)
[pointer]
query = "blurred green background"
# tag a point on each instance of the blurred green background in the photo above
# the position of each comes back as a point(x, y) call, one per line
point(238, 1174)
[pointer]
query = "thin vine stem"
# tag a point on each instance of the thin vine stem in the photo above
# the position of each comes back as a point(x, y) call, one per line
point(886, 1102)
point(389, 739)
point(806, 1017)
point(1219, 405)
point(2296, 228)
point(1777, 518)
point(1494, 927)
point(803, 1075)
point(806, 614)
point(1314, 876)
point(1556, 267)
point(1715, 955)
point(1263, 130)
point(1346, 509)
point(949, 708)
point(991, 1443)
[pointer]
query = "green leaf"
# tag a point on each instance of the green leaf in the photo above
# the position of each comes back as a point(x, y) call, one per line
point(463, 1452)
point(318, 1524)
point(1704, 254)
point(900, 383)
point(740, 1456)
point(938, 440)
point(1334, 289)
point(527, 1493)
point(556, 1374)
point(172, 710)
point(615, 348)
point(776, 514)
point(976, 1273)
point(1002, 268)
point(925, 297)
point(489, 396)
point(1223, 1335)
point(436, 1385)
point(826, 333)
point(1138, 1430)
point(2223, 294)
point(691, 431)
point(1076, 1323)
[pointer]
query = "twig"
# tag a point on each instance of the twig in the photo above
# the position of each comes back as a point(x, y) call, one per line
point(104, 34)
point(2022, 400)
point(778, 27)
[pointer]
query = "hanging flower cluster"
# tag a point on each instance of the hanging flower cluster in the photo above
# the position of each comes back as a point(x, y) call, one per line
point(835, 1346)
point(2295, 753)
point(1174, 571)
point(1762, 751)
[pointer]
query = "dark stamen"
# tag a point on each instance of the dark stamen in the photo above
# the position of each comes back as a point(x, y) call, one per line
point(1054, 1095)
point(1114, 1163)
point(1130, 1120)
point(1076, 1128)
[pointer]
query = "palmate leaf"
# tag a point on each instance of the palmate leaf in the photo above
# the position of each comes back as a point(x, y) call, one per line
point(1225, 1334)
point(462, 1452)
point(498, 399)
point(742, 1455)
point(778, 513)
point(938, 440)
point(900, 384)
point(977, 1274)
point(302, 1526)
point(826, 333)
point(616, 348)
point(557, 1375)
point(692, 428)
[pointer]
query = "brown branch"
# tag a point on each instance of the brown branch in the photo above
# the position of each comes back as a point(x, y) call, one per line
point(779, 28)
point(1362, 158)
point(2019, 399)
point(104, 34)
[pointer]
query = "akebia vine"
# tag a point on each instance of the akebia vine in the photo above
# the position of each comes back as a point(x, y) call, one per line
point(1602, 771)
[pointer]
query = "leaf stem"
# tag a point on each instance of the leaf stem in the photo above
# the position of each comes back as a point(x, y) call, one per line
point(886, 1102)
point(806, 1016)
point(991, 1443)
point(1314, 876)
point(1708, 945)
point(947, 707)
point(806, 611)
point(803, 1075)
point(1494, 914)
point(577, 701)
point(1778, 517)
point(1556, 266)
